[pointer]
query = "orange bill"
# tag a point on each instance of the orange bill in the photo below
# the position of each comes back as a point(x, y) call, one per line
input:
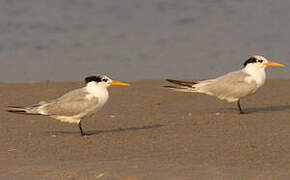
point(270, 63)
point(118, 83)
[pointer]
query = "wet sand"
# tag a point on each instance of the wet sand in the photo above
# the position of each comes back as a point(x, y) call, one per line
point(147, 132)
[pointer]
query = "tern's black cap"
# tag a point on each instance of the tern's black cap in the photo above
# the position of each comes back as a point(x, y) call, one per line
point(250, 60)
point(93, 78)
point(254, 59)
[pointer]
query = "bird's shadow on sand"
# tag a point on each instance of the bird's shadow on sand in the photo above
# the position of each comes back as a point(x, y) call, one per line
point(269, 109)
point(260, 109)
point(95, 132)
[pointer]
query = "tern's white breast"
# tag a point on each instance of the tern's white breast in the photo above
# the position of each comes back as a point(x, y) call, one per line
point(257, 74)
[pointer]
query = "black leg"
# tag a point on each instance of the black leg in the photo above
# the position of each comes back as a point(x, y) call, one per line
point(81, 129)
point(239, 106)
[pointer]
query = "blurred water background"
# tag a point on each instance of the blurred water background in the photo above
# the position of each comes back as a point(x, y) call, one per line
point(60, 40)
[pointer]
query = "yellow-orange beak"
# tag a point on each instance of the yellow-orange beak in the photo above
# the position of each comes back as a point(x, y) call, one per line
point(118, 83)
point(269, 63)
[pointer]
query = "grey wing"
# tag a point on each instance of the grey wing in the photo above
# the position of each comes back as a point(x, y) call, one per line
point(73, 103)
point(231, 86)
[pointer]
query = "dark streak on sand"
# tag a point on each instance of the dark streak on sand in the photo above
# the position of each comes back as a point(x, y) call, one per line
point(147, 132)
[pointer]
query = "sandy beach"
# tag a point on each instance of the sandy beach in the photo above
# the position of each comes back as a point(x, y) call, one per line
point(146, 132)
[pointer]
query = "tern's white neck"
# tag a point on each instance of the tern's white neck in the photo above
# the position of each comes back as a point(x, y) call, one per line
point(257, 73)
point(97, 89)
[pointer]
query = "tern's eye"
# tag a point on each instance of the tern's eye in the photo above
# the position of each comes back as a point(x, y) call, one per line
point(105, 80)
point(260, 61)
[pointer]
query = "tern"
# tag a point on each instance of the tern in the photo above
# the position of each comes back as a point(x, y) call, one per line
point(233, 86)
point(73, 106)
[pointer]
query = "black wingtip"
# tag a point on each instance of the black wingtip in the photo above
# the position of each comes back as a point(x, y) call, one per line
point(173, 87)
point(17, 111)
point(182, 83)
point(171, 80)
point(169, 86)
